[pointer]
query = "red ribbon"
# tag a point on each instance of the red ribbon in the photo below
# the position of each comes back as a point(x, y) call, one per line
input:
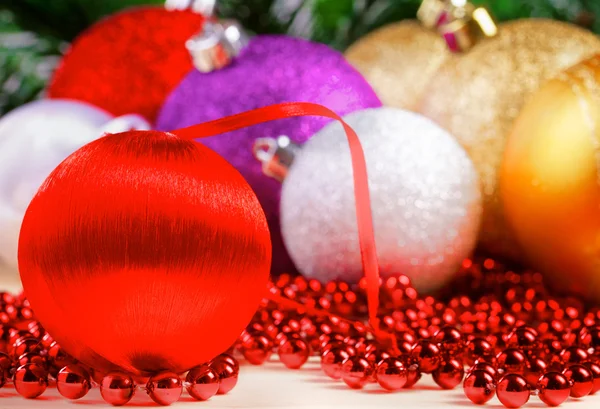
point(361, 189)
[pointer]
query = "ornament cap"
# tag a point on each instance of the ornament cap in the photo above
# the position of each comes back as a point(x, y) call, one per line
point(432, 12)
point(276, 155)
point(204, 7)
point(217, 45)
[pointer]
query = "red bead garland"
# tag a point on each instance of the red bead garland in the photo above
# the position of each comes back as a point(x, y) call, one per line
point(550, 347)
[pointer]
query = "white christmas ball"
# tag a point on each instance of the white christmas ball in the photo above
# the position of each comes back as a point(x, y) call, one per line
point(425, 198)
point(34, 139)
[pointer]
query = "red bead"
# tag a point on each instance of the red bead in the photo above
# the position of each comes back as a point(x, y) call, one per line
point(511, 360)
point(26, 344)
point(377, 356)
point(427, 355)
point(449, 374)
point(226, 358)
point(294, 353)
point(228, 375)
point(164, 388)
point(523, 338)
point(257, 348)
point(534, 368)
point(450, 340)
point(73, 382)
point(202, 382)
point(117, 388)
point(391, 374)
point(479, 387)
point(484, 366)
point(413, 374)
point(581, 379)
point(356, 372)
point(554, 388)
point(478, 348)
point(573, 355)
point(3, 377)
point(31, 358)
point(331, 362)
point(513, 391)
point(30, 380)
point(595, 370)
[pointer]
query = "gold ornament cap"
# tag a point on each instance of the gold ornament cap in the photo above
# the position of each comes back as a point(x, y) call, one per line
point(276, 155)
point(459, 22)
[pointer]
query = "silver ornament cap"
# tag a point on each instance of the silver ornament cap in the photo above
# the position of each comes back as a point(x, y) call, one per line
point(217, 45)
point(205, 7)
point(276, 155)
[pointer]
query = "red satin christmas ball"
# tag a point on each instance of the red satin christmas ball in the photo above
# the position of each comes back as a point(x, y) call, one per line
point(128, 62)
point(158, 261)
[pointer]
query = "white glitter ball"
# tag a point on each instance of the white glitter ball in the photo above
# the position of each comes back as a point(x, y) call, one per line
point(425, 198)
point(36, 138)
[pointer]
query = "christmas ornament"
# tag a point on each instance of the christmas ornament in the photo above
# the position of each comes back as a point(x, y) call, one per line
point(161, 244)
point(478, 96)
point(550, 179)
point(34, 139)
point(399, 60)
point(128, 62)
point(425, 192)
point(282, 69)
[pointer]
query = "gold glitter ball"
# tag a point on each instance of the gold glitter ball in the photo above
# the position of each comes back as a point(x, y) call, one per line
point(478, 96)
point(550, 180)
point(399, 60)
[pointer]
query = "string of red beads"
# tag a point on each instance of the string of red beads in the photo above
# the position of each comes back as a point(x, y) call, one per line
point(32, 360)
point(517, 337)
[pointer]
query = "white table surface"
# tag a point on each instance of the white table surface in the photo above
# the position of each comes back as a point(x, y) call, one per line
point(274, 386)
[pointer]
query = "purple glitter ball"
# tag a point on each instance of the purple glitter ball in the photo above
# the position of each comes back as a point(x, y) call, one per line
point(272, 69)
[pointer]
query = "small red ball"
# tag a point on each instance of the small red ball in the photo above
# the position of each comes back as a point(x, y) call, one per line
point(449, 374)
point(31, 358)
point(581, 379)
point(73, 382)
point(413, 373)
point(202, 382)
point(484, 366)
point(595, 370)
point(5, 363)
point(257, 348)
point(512, 360)
point(356, 372)
point(228, 375)
point(226, 358)
point(554, 388)
point(427, 355)
point(534, 368)
point(164, 388)
point(294, 353)
point(117, 388)
point(450, 340)
point(524, 339)
point(513, 391)
point(573, 355)
point(30, 380)
point(391, 374)
point(377, 356)
point(478, 348)
point(479, 387)
point(331, 362)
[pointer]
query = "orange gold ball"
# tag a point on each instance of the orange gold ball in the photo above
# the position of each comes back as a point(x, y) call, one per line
point(478, 95)
point(550, 179)
point(398, 60)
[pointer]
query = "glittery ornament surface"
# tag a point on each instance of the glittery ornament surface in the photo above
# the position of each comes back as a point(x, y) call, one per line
point(478, 96)
point(550, 177)
point(398, 61)
point(34, 139)
point(424, 192)
point(128, 62)
point(270, 70)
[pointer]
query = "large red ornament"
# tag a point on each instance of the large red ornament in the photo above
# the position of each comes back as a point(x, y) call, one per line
point(144, 252)
point(128, 62)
